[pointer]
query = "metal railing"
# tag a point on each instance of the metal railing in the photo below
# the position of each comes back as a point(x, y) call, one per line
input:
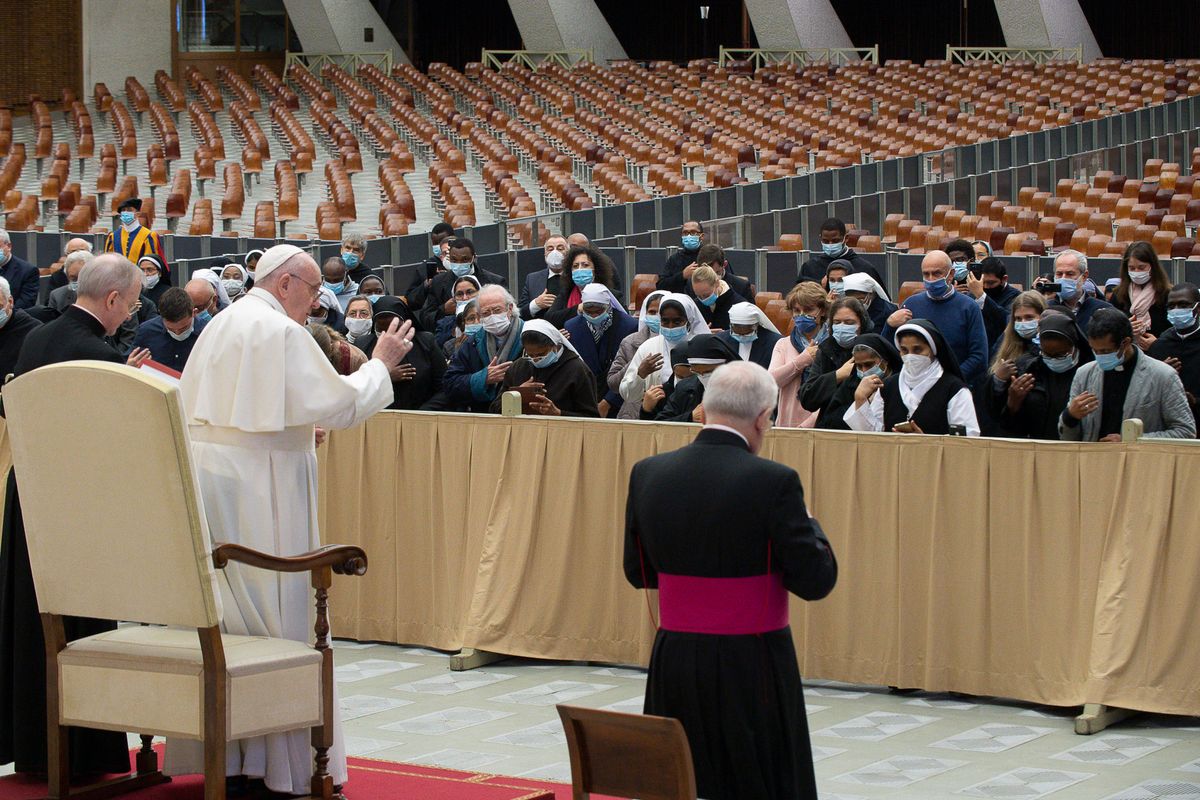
point(534, 59)
point(800, 57)
point(314, 62)
point(1002, 55)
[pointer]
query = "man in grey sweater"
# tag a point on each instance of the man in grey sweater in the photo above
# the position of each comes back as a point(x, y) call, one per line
point(1123, 383)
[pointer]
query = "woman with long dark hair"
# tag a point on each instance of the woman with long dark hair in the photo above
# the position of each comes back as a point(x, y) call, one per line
point(1142, 293)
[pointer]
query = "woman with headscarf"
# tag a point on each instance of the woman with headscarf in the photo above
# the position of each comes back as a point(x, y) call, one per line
point(597, 332)
point(419, 376)
point(584, 265)
point(834, 362)
point(751, 333)
point(678, 321)
point(550, 365)
point(328, 310)
point(465, 289)
point(928, 395)
point(156, 282)
point(705, 352)
point(357, 323)
point(794, 354)
point(372, 287)
point(251, 261)
point(214, 277)
point(656, 396)
point(647, 326)
point(466, 322)
point(866, 290)
point(872, 356)
point(1030, 404)
point(233, 278)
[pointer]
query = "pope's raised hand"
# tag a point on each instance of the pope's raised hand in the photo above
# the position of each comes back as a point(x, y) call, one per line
point(393, 344)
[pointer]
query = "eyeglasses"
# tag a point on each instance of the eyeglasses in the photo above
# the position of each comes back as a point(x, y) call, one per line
point(314, 287)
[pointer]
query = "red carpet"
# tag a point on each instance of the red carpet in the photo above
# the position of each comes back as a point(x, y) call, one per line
point(369, 780)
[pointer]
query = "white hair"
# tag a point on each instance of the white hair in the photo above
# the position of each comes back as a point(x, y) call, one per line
point(5, 290)
point(78, 255)
point(1080, 259)
point(493, 289)
point(4, 237)
point(740, 390)
point(111, 272)
point(356, 240)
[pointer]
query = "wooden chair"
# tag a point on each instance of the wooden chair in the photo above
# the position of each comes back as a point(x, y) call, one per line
point(627, 755)
point(643, 284)
point(908, 289)
point(88, 560)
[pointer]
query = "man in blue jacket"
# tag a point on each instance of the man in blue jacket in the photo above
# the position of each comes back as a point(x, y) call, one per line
point(955, 314)
point(478, 368)
point(171, 335)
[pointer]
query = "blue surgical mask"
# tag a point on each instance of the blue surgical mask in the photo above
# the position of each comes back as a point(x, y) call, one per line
point(459, 270)
point(651, 321)
point(73, 286)
point(350, 260)
point(709, 301)
point(373, 298)
point(336, 288)
point(960, 270)
point(437, 251)
point(844, 333)
point(837, 287)
point(473, 328)
point(691, 242)
point(128, 217)
point(744, 338)
point(1061, 364)
point(3, 317)
point(805, 323)
point(547, 360)
point(936, 289)
point(204, 316)
point(582, 277)
point(1069, 289)
point(674, 335)
point(598, 321)
point(1026, 329)
point(832, 248)
point(1181, 317)
point(875, 370)
point(1108, 361)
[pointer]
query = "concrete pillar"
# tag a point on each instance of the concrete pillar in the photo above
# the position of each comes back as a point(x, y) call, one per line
point(566, 25)
point(797, 24)
point(337, 26)
point(107, 56)
point(1046, 23)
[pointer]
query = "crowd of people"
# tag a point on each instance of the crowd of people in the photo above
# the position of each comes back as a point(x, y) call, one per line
point(968, 355)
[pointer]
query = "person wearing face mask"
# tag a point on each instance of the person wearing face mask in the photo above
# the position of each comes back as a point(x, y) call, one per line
point(1029, 405)
point(428, 269)
point(1179, 347)
point(714, 298)
point(928, 395)
point(583, 265)
point(61, 298)
point(336, 278)
point(439, 297)
point(705, 353)
point(871, 355)
point(794, 354)
point(357, 321)
point(465, 290)
point(1070, 273)
point(419, 375)
point(956, 316)
point(250, 260)
point(550, 366)
point(596, 333)
point(677, 272)
point(834, 248)
point(131, 239)
point(1017, 346)
point(865, 290)
point(835, 278)
point(233, 280)
point(156, 277)
point(15, 325)
point(656, 397)
point(991, 293)
point(834, 362)
point(542, 287)
point(354, 256)
point(204, 298)
point(678, 321)
point(57, 276)
point(22, 276)
point(647, 327)
point(1142, 293)
point(325, 310)
point(171, 335)
point(477, 370)
point(213, 276)
point(751, 334)
point(466, 324)
point(1123, 383)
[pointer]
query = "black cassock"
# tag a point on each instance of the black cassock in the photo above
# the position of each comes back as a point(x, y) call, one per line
point(723, 553)
point(74, 335)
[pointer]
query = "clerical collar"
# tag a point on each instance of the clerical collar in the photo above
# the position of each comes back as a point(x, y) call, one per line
point(714, 427)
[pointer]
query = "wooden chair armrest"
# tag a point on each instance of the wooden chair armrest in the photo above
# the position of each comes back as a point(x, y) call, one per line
point(344, 559)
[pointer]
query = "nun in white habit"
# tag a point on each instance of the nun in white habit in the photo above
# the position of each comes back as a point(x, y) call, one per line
point(678, 321)
point(751, 333)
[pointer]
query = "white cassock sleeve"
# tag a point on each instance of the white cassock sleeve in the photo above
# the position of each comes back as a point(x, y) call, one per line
point(868, 417)
point(317, 395)
point(961, 411)
point(633, 386)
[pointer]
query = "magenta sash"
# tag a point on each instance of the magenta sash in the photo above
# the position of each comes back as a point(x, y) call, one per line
point(722, 606)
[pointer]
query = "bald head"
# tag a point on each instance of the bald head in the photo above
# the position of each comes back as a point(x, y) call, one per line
point(201, 292)
point(77, 244)
point(935, 265)
point(577, 240)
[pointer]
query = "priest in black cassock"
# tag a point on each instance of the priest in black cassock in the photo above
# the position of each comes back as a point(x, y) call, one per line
point(723, 556)
point(15, 325)
point(108, 289)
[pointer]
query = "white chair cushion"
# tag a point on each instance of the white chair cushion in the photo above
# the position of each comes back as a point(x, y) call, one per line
point(149, 679)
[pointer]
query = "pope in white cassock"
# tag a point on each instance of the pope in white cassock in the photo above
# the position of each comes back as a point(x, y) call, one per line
point(254, 387)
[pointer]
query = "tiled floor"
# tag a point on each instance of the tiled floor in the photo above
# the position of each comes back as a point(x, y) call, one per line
point(403, 704)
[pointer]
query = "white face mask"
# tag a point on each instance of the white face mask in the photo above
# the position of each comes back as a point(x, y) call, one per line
point(917, 365)
point(181, 337)
point(233, 287)
point(555, 260)
point(357, 326)
point(1140, 278)
point(703, 378)
point(496, 324)
point(316, 320)
point(149, 281)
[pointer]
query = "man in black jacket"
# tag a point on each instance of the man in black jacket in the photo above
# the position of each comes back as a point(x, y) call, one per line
point(676, 275)
point(723, 556)
point(439, 298)
point(833, 247)
point(430, 267)
point(1180, 346)
point(22, 276)
point(542, 286)
point(15, 325)
point(992, 293)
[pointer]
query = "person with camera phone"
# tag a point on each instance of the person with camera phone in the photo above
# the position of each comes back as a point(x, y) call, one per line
point(1070, 274)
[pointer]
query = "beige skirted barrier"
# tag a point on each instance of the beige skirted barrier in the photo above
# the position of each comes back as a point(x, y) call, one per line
point(1051, 572)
